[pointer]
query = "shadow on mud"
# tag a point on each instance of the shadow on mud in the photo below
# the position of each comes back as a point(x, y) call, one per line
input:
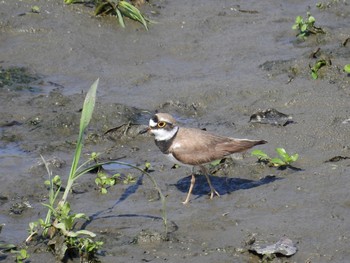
point(223, 185)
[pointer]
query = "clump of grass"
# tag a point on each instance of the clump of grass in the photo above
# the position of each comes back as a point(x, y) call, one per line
point(60, 221)
point(306, 27)
point(284, 159)
point(118, 8)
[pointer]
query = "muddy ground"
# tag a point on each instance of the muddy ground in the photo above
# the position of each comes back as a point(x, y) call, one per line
point(212, 64)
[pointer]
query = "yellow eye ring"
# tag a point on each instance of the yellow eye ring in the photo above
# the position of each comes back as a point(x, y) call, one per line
point(161, 124)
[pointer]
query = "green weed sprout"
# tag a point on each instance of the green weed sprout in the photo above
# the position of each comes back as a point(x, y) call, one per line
point(283, 160)
point(20, 255)
point(306, 26)
point(315, 68)
point(347, 68)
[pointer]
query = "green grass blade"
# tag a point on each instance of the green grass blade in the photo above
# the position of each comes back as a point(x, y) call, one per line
point(88, 108)
point(120, 18)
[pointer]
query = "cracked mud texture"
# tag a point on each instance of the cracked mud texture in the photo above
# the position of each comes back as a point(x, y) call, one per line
point(211, 64)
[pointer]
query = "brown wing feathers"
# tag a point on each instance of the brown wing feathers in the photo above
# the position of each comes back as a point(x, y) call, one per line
point(199, 147)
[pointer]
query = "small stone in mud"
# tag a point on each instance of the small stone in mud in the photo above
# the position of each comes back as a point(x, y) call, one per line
point(19, 208)
point(149, 237)
point(271, 116)
point(284, 247)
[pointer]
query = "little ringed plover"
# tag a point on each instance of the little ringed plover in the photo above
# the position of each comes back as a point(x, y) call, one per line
point(193, 147)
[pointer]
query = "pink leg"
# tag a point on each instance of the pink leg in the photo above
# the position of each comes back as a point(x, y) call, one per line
point(193, 180)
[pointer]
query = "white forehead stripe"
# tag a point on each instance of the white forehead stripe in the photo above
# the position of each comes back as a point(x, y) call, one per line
point(152, 123)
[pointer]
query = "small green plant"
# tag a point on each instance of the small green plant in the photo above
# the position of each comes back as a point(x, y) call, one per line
point(20, 255)
point(103, 180)
point(35, 9)
point(60, 221)
point(315, 68)
point(306, 26)
point(283, 160)
point(347, 68)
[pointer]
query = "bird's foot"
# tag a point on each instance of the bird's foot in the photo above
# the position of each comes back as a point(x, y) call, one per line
point(185, 202)
point(213, 192)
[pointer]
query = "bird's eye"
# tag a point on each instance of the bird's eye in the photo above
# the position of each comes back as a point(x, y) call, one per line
point(161, 124)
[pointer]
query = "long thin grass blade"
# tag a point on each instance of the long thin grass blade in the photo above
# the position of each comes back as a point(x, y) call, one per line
point(120, 18)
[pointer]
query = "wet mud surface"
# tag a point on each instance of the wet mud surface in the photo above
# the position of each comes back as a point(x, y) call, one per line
point(210, 64)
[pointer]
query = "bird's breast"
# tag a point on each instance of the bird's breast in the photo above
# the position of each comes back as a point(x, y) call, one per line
point(172, 159)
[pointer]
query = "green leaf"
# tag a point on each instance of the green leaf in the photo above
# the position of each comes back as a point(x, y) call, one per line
point(147, 165)
point(85, 232)
point(101, 8)
point(314, 75)
point(298, 20)
point(98, 181)
point(347, 68)
point(57, 180)
point(277, 162)
point(282, 152)
point(23, 253)
point(6, 247)
point(294, 157)
point(104, 191)
point(61, 226)
point(120, 18)
point(88, 106)
point(81, 215)
point(312, 20)
point(35, 9)
point(303, 28)
point(215, 163)
point(259, 154)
